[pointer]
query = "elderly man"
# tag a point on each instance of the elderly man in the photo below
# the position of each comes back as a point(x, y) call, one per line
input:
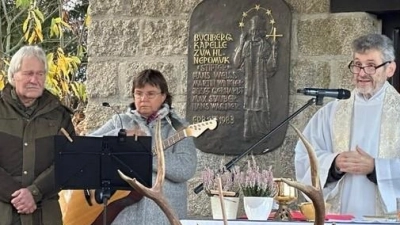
point(357, 140)
point(28, 113)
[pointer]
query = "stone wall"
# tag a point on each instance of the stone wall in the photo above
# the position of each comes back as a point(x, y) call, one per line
point(127, 36)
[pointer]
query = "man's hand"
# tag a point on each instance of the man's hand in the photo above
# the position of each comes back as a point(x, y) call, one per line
point(23, 201)
point(355, 162)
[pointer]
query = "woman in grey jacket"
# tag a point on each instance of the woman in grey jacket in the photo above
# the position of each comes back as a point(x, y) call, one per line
point(152, 101)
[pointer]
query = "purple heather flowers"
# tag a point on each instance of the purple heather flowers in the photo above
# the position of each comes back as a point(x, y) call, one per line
point(228, 179)
point(252, 182)
point(257, 182)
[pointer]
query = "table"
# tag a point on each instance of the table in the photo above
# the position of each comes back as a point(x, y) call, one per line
point(247, 222)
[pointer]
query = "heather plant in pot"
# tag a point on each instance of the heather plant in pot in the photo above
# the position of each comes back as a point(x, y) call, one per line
point(255, 181)
point(258, 188)
point(229, 181)
point(230, 191)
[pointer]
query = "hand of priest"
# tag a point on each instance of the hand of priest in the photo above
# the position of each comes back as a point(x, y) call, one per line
point(355, 162)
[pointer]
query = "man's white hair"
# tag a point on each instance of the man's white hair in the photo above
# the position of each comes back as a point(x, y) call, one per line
point(26, 51)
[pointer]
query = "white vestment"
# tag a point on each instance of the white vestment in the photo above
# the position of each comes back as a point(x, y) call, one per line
point(372, 124)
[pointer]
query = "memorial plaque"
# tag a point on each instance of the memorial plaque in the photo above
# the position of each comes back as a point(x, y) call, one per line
point(238, 72)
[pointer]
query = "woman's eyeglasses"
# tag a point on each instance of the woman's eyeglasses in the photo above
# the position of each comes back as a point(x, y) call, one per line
point(149, 95)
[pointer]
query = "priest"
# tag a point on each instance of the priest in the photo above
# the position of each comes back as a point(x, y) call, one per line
point(357, 141)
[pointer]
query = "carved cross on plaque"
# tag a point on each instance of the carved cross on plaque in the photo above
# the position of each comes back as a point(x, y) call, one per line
point(274, 35)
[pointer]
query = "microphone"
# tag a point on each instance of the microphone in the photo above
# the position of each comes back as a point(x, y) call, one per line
point(122, 131)
point(333, 93)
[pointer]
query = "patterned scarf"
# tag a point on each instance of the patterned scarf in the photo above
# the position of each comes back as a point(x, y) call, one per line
point(152, 117)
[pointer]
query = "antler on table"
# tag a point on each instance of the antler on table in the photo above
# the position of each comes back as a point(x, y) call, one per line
point(156, 193)
point(314, 192)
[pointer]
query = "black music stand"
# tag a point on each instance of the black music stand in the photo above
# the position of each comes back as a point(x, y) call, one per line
point(92, 163)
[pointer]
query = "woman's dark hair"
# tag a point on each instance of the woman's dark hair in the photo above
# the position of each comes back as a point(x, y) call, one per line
point(154, 78)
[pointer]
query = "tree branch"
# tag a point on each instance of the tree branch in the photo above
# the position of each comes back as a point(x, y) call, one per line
point(17, 16)
point(62, 44)
point(17, 46)
point(9, 27)
point(5, 10)
point(1, 32)
point(50, 14)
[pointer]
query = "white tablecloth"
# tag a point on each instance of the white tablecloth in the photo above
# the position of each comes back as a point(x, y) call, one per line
point(247, 222)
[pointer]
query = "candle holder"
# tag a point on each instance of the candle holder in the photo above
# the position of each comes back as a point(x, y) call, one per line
point(284, 196)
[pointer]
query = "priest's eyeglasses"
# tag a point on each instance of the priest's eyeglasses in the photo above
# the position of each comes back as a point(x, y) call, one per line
point(370, 69)
point(149, 95)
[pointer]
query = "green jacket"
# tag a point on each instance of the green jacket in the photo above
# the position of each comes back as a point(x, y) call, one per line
point(26, 157)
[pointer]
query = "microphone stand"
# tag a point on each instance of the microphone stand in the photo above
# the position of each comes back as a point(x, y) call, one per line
point(228, 166)
point(122, 131)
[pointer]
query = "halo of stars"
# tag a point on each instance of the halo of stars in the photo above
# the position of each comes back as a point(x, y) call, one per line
point(267, 13)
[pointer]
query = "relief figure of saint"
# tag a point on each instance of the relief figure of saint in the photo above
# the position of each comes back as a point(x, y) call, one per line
point(256, 57)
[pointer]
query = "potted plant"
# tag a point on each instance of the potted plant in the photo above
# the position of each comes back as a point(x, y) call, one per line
point(230, 190)
point(258, 188)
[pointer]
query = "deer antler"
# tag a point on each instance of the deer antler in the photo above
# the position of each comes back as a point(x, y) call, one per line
point(314, 192)
point(156, 193)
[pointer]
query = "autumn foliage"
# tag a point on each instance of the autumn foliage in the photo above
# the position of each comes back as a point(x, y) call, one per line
point(60, 28)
